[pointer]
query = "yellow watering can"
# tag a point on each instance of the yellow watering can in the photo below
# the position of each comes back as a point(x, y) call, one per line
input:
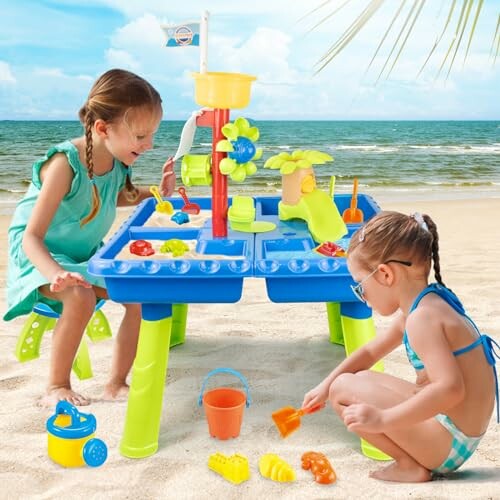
point(71, 441)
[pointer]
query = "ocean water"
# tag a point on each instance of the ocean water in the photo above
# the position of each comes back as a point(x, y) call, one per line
point(392, 159)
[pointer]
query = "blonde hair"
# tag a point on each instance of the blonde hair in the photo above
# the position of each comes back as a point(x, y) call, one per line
point(110, 98)
point(392, 235)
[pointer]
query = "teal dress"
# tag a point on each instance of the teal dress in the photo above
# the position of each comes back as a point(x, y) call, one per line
point(70, 244)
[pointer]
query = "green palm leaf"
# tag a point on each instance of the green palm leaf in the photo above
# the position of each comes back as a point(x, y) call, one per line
point(478, 11)
point(396, 15)
point(462, 31)
point(371, 8)
point(407, 34)
point(497, 38)
point(350, 33)
point(399, 36)
point(436, 43)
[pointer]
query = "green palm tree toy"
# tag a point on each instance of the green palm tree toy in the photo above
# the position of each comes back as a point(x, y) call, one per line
point(301, 198)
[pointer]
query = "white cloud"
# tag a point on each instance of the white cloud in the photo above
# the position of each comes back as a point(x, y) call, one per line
point(140, 46)
point(121, 59)
point(193, 8)
point(277, 52)
point(50, 72)
point(264, 38)
point(264, 53)
point(58, 73)
point(143, 40)
point(142, 32)
point(6, 75)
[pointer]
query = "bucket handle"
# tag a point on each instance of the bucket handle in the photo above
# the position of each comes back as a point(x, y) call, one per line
point(64, 407)
point(225, 370)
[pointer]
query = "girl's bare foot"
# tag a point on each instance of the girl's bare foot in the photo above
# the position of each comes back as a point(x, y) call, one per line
point(115, 391)
point(403, 472)
point(56, 394)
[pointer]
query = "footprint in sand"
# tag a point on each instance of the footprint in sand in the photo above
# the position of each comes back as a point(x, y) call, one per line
point(11, 383)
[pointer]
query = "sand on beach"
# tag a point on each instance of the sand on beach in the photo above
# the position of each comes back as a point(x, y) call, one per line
point(283, 350)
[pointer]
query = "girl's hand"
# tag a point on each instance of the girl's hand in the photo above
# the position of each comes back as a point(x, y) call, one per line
point(362, 417)
point(316, 396)
point(65, 279)
point(167, 183)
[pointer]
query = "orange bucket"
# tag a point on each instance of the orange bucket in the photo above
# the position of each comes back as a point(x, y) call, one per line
point(224, 406)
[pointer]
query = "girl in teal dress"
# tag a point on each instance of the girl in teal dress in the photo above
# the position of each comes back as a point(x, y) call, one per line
point(68, 209)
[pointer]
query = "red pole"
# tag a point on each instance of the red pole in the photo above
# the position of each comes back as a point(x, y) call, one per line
point(219, 181)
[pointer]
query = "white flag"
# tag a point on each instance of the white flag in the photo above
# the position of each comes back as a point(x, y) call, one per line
point(182, 35)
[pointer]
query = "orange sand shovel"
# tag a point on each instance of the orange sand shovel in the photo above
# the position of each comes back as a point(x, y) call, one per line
point(287, 419)
point(353, 215)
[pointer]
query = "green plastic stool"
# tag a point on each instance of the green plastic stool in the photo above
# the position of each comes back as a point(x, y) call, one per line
point(43, 318)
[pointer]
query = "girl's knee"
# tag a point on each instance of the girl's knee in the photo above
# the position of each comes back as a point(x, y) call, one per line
point(340, 386)
point(78, 298)
point(364, 375)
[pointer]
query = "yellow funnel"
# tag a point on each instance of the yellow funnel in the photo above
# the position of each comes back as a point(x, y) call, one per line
point(222, 90)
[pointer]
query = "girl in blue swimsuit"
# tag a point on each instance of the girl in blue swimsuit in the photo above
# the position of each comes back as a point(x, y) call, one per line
point(431, 426)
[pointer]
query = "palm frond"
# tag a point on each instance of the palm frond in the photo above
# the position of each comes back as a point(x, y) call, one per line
point(478, 11)
point(436, 43)
point(462, 31)
point(454, 39)
point(408, 25)
point(350, 33)
point(415, 17)
point(397, 39)
point(319, 7)
point(396, 15)
point(496, 53)
point(328, 16)
point(497, 38)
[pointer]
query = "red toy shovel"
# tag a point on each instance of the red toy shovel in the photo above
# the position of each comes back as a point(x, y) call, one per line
point(189, 208)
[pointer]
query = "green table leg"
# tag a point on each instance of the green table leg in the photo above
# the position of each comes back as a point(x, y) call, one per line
point(335, 323)
point(142, 422)
point(357, 332)
point(179, 318)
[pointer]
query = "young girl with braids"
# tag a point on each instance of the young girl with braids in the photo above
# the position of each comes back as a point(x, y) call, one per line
point(68, 209)
point(434, 424)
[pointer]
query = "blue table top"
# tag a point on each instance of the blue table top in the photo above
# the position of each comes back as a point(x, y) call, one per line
point(284, 257)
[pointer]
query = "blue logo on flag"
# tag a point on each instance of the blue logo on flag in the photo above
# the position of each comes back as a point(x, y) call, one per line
point(182, 35)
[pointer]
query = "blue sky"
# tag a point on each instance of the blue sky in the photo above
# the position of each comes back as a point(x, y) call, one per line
point(52, 50)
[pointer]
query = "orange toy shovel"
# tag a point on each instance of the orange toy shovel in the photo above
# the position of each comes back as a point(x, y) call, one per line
point(287, 419)
point(353, 215)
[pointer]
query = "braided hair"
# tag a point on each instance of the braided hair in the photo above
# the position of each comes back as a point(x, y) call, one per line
point(110, 98)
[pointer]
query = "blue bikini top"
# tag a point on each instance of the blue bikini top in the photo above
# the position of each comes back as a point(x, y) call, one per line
point(485, 341)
